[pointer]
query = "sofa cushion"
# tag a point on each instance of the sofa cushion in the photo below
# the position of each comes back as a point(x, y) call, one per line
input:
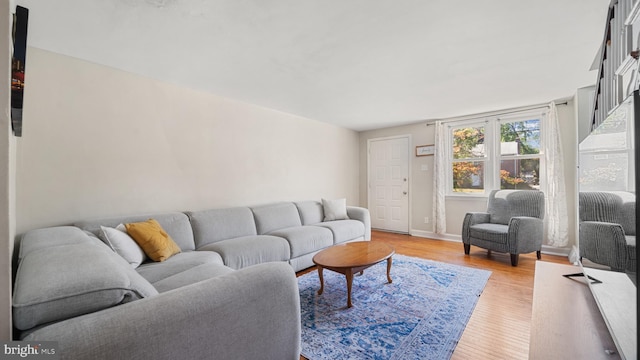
point(250, 250)
point(191, 276)
point(48, 237)
point(214, 225)
point(305, 239)
point(155, 242)
point(61, 282)
point(345, 230)
point(311, 212)
point(156, 271)
point(119, 241)
point(334, 209)
point(176, 224)
point(275, 216)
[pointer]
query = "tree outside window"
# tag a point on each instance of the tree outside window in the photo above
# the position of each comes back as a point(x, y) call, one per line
point(520, 154)
point(517, 162)
point(469, 158)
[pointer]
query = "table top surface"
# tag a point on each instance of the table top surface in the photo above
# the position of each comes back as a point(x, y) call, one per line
point(566, 322)
point(353, 254)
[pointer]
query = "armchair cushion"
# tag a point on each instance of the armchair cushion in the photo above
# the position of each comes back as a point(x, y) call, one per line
point(492, 232)
point(505, 204)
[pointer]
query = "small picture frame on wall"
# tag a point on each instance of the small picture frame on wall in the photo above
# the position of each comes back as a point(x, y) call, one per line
point(425, 150)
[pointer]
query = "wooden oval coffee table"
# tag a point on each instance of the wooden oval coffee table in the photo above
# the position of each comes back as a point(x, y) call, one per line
point(351, 258)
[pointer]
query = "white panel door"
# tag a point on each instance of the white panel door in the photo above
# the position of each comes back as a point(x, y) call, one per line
point(389, 184)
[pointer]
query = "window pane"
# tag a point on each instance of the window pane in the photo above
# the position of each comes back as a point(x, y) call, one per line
point(468, 142)
point(520, 174)
point(520, 137)
point(468, 176)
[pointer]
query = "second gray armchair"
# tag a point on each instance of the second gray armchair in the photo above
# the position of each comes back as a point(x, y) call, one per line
point(608, 229)
point(512, 224)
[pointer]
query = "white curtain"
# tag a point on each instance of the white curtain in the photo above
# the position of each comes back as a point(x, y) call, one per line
point(556, 222)
point(439, 179)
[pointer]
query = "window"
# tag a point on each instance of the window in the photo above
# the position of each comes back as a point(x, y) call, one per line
point(469, 158)
point(520, 154)
point(495, 153)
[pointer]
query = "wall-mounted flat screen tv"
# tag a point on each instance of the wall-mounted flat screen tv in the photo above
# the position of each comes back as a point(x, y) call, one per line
point(17, 67)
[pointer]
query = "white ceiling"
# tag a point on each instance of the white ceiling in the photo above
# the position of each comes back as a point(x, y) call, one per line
point(360, 64)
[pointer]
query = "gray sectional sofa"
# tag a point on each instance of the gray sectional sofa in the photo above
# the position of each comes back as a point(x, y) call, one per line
point(231, 292)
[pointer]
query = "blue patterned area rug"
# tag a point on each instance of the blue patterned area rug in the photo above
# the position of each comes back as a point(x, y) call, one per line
point(421, 315)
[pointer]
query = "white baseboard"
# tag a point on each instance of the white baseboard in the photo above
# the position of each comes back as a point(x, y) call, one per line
point(550, 250)
point(432, 235)
point(546, 249)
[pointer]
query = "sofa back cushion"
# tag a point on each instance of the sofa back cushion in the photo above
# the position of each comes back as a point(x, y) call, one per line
point(176, 224)
point(58, 281)
point(311, 212)
point(275, 217)
point(58, 236)
point(210, 226)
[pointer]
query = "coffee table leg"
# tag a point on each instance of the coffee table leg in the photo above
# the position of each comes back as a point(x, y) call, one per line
point(321, 280)
point(389, 270)
point(349, 276)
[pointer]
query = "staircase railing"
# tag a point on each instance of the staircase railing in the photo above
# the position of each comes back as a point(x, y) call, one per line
point(618, 70)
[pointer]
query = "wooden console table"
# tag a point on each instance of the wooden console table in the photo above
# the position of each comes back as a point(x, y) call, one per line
point(566, 322)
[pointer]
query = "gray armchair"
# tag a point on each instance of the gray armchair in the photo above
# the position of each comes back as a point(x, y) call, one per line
point(608, 229)
point(512, 224)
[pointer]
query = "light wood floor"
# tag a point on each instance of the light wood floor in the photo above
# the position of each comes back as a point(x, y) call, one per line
point(499, 325)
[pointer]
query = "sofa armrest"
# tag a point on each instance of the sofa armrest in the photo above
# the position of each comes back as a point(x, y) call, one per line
point(252, 313)
point(470, 219)
point(361, 214)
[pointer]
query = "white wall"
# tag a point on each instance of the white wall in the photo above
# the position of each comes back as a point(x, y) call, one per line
point(421, 190)
point(584, 104)
point(7, 172)
point(100, 142)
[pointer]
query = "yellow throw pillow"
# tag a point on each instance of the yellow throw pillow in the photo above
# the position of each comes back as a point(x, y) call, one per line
point(155, 242)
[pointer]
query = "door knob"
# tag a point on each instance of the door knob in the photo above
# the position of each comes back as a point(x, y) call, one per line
point(404, 192)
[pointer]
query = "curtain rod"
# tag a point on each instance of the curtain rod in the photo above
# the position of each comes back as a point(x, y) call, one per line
point(496, 113)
